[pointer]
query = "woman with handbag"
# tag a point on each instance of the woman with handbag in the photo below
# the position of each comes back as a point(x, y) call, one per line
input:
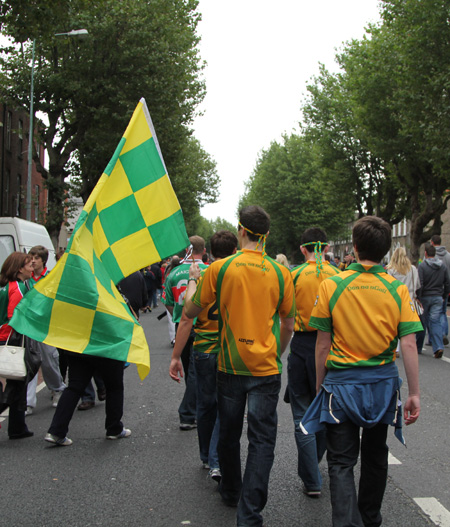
point(15, 270)
point(400, 267)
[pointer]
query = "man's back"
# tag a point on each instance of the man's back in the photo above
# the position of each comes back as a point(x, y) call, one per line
point(249, 301)
point(365, 308)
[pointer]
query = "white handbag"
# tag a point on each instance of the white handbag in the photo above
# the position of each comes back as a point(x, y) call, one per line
point(12, 361)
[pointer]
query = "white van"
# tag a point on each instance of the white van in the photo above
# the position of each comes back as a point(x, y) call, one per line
point(21, 235)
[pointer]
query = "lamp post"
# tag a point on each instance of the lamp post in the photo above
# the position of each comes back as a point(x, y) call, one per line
point(80, 34)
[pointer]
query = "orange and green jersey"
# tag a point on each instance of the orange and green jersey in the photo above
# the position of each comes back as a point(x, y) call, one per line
point(207, 330)
point(306, 283)
point(365, 310)
point(251, 302)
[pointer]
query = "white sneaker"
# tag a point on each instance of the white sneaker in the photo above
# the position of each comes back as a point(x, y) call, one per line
point(56, 396)
point(61, 441)
point(29, 410)
point(125, 433)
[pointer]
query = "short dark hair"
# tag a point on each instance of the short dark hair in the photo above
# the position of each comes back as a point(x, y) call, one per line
point(255, 219)
point(198, 244)
point(314, 234)
point(223, 243)
point(41, 251)
point(372, 237)
point(436, 239)
point(430, 250)
point(12, 266)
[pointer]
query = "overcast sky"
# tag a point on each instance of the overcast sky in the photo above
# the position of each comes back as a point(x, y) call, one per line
point(260, 56)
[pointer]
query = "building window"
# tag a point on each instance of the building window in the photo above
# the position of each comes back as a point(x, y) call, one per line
point(20, 133)
point(8, 130)
point(37, 195)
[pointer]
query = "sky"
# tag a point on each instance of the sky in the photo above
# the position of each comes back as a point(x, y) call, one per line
point(260, 57)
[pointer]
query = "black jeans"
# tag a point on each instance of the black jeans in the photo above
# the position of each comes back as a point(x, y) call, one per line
point(81, 369)
point(343, 445)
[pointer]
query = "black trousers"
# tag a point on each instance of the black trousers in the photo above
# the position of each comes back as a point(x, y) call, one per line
point(81, 369)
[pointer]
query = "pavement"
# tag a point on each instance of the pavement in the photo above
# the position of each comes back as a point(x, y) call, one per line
point(155, 477)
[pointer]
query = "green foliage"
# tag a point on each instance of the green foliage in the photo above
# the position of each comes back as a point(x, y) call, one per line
point(385, 118)
point(292, 185)
point(88, 90)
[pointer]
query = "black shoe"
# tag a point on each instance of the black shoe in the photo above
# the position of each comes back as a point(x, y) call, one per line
point(86, 405)
point(446, 341)
point(438, 354)
point(311, 493)
point(101, 394)
point(22, 435)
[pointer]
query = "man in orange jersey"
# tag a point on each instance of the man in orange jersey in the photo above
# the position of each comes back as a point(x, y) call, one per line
point(360, 314)
point(255, 297)
point(205, 348)
point(301, 361)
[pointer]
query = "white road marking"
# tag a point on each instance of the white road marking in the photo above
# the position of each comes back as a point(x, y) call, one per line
point(393, 460)
point(432, 508)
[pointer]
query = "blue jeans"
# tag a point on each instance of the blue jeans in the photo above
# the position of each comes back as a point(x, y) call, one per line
point(342, 454)
point(444, 320)
point(261, 395)
point(302, 391)
point(432, 306)
point(205, 365)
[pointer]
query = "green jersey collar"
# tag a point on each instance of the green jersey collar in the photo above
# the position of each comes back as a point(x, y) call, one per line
point(374, 269)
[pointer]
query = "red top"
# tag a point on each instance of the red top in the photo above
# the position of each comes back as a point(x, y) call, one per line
point(15, 295)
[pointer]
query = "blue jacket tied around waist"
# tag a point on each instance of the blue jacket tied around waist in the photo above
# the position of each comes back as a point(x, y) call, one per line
point(365, 396)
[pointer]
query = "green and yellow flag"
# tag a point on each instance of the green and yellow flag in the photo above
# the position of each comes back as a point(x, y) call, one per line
point(131, 219)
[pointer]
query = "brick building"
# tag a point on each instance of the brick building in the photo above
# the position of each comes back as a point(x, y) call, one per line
point(14, 126)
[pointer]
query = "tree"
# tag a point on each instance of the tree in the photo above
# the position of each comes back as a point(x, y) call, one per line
point(87, 91)
point(396, 87)
point(292, 185)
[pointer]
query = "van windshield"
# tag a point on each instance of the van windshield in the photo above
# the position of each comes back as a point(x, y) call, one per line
point(6, 247)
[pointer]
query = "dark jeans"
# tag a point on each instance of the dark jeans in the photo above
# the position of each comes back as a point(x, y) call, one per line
point(206, 371)
point(302, 391)
point(188, 407)
point(81, 369)
point(15, 397)
point(261, 395)
point(89, 392)
point(343, 445)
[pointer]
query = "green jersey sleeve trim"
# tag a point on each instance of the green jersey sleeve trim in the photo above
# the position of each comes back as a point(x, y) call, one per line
point(406, 328)
point(323, 324)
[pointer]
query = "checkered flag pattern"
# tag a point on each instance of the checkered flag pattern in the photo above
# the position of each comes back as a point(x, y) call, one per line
point(131, 219)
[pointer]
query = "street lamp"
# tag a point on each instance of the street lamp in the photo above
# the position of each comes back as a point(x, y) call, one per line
point(80, 34)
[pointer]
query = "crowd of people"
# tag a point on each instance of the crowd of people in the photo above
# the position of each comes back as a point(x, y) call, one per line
point(229, 323)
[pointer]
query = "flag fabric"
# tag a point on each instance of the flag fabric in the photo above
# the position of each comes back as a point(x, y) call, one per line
point(132, 219)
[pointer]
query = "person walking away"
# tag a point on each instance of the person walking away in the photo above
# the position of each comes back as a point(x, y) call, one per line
point(355, 365)
point(15, 270)
point(173, 297)
point(400, 267)
point(435, 287)
point(301, 361)
point(206, 347)
point(444, 256)
point(50, 356)
point(255, 297)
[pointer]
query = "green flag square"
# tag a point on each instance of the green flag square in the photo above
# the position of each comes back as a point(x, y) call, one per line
point(111, 265)
point(121, 219)
point(143, 165)
point(77, 284)
point(169, 235)
point(107, 337)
